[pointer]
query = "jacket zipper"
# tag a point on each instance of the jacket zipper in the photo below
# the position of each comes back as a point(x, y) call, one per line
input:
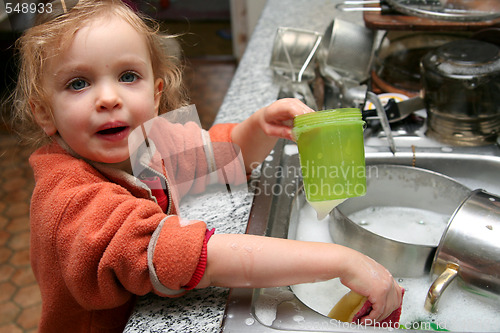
point(169, 192)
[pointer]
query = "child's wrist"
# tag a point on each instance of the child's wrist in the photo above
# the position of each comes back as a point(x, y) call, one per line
point(202, 263)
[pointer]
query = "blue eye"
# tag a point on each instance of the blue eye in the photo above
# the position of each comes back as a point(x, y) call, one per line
point(78, 84)
point(128, 77)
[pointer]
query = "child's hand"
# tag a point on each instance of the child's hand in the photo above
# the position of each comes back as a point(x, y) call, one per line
point(276, 119)
point(365, 276)
point(257, 134)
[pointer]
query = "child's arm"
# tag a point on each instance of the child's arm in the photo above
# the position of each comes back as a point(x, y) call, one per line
point(255, 261)
point(257, 134)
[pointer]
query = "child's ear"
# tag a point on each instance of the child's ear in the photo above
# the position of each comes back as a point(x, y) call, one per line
point(158, 92)
point(43, 118)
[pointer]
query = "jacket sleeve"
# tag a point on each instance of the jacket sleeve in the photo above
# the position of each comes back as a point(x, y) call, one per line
point(95, 235)
point(194, 158)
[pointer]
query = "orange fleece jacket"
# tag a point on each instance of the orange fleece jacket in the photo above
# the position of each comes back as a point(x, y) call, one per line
point(91, 229)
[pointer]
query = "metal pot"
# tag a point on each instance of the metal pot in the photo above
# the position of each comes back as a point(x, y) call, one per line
point(398, 189)
point(469, 249)
point(347, 49)
point(461, 88)
point(397, 60)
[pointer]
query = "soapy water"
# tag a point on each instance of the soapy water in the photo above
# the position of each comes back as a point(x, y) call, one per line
point(323, 208)
point(404, 224)
point(267, 304)
point(458, 310)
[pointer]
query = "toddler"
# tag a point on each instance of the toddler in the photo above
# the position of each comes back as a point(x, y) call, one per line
point(90, 74)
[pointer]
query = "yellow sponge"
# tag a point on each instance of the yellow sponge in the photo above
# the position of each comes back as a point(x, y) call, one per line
point(353, 306)
point(348, 306)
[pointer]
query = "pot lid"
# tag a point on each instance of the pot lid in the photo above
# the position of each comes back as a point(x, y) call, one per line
point(467, 57)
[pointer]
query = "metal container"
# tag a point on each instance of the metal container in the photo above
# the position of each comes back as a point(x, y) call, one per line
point(469, 249)
point(292, 61)
point(395, 188)
point(397, 60)
point(293, 53)
point(347, 50)
point(461, 86)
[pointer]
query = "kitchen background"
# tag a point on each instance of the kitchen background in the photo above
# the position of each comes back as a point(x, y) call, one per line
point(214, 38)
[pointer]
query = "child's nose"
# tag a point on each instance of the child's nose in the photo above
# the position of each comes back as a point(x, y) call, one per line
point(108, 98)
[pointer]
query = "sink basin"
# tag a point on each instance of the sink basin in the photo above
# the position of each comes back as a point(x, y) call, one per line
point(275, 212)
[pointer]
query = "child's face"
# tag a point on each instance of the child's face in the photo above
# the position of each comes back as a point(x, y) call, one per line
point(100, 88)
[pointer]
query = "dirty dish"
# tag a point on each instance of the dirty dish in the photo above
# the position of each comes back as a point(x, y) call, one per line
point(346, 49)
point(400, 220)
point(293, 53)
point(469, 249)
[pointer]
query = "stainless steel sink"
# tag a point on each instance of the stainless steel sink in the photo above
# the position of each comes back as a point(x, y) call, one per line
point(275, 213)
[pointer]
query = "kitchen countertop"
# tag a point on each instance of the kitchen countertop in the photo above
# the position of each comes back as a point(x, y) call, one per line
point(202, 310)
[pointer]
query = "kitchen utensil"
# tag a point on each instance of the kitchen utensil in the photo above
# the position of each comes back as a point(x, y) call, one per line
point(346, 51)
point(397, 111)
point(448, 10)
point(382, 116)
point(460, 87)
point(452, 10)
point(292, 60)
point(469, 249)
point(332, 156)
point(293, 53)
point(396, 65)
point(384, 7)
point(400, 219)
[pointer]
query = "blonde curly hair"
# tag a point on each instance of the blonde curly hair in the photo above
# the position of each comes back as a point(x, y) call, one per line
point(53, 32)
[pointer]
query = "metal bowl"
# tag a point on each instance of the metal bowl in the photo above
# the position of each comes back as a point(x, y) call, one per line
point(396, 188)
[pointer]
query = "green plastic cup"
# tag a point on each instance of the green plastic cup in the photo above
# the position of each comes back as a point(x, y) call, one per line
point(332, 156)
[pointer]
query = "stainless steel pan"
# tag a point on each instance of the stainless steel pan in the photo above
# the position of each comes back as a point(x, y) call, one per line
point(396, 188)
point(469, 250)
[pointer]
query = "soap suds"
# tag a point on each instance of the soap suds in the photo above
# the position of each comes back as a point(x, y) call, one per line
point(459, 309)
point(323, 208)
point(404, 224)
point(291, 150)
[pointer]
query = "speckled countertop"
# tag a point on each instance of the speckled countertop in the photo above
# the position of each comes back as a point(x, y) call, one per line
point(202, 310)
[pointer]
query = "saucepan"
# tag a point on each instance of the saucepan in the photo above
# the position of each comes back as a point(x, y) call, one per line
point(401, 219)
point(460, 87)
point(469, 249)
point(346, 52)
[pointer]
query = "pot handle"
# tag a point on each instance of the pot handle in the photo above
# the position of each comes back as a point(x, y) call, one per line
point(439, 286)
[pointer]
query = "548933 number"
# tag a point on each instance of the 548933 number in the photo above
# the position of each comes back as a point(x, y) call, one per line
point(28, 7)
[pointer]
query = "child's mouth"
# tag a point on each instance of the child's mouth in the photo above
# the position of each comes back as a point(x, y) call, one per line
point(113, 130)
point(114, 133)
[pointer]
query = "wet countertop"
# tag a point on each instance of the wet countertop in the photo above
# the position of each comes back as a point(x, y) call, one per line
point(202, 310)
